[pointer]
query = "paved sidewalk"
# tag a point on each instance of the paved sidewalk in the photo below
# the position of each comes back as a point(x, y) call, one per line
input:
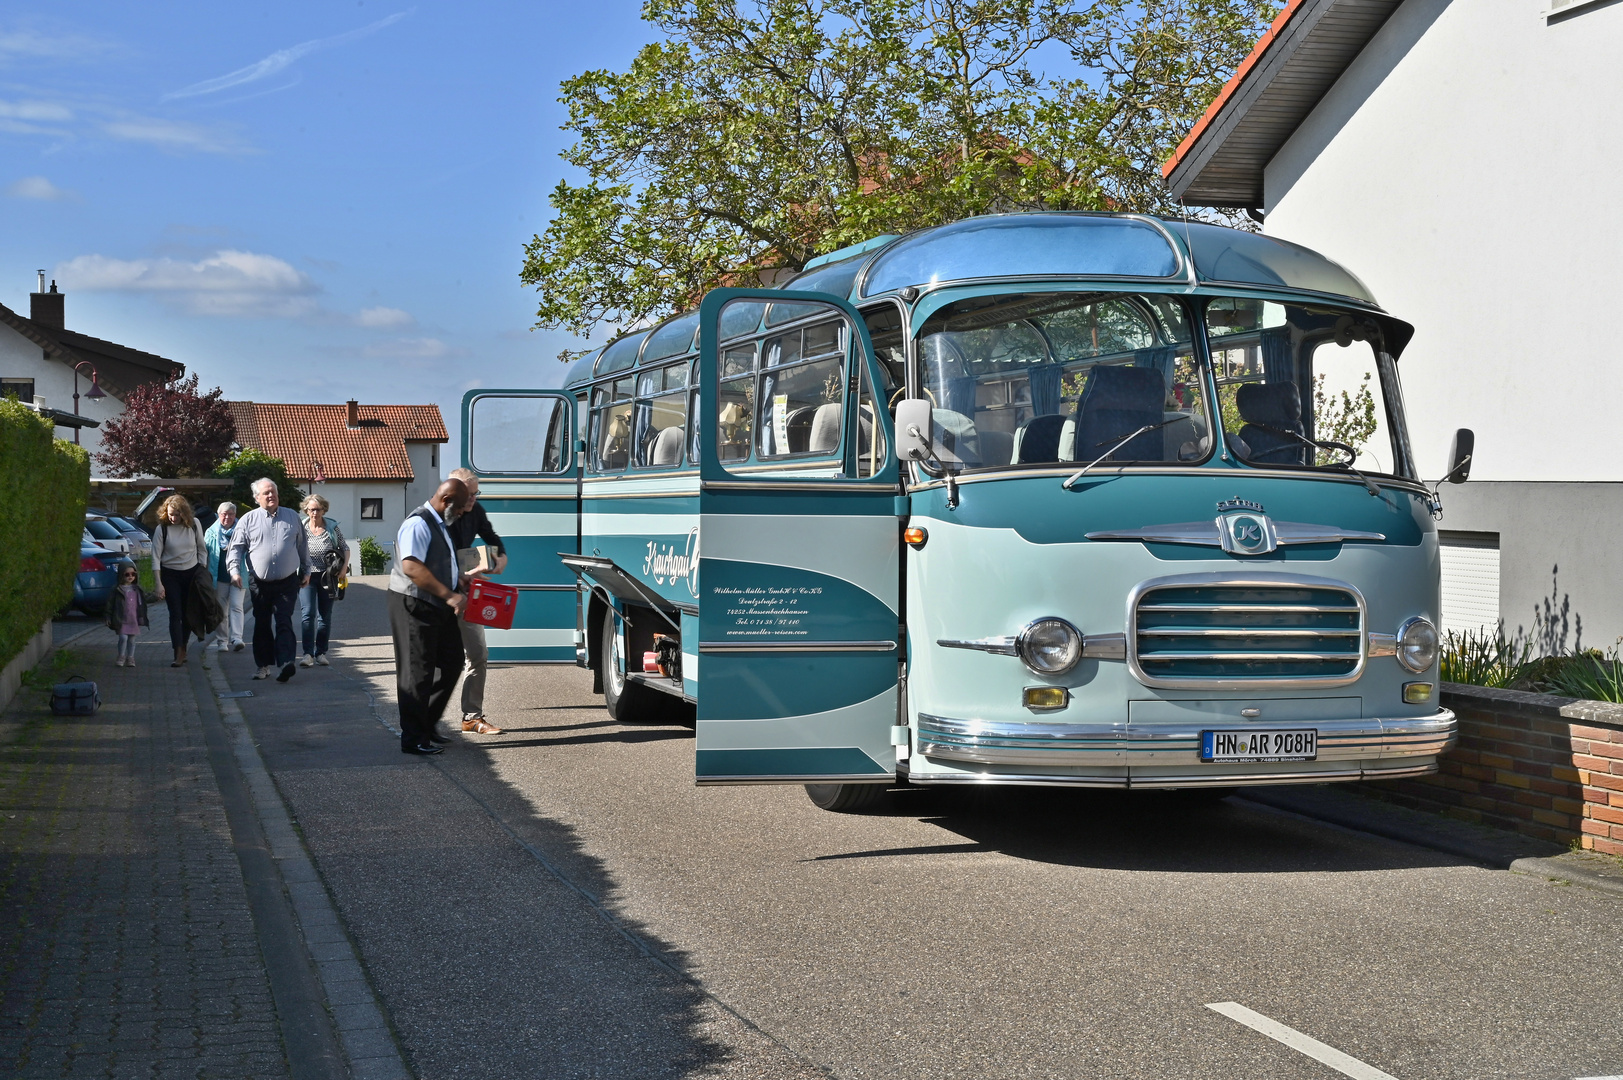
point(127, 945)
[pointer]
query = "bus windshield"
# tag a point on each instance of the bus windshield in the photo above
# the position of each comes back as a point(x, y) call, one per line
point(1043, 378)
point(1306, 387)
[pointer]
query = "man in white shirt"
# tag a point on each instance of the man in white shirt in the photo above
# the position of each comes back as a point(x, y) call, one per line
point(424, 603)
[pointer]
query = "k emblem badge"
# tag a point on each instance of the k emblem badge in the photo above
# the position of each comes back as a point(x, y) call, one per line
point(1246, 533)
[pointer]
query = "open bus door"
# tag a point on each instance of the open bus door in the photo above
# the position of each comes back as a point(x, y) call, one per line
point(521, 443)
point(799, 545)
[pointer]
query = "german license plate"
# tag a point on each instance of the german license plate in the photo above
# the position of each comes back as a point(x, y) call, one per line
point(1300, 745)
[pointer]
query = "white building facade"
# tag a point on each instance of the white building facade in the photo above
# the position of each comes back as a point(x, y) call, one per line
point(1458, 155)
point(39, 355)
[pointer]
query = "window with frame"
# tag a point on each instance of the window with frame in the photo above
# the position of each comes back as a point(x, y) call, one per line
point(659, 416)
point(1306, 387)
point(22, 389)
point(371, 509)
point(611, 426)
point(1045, 378)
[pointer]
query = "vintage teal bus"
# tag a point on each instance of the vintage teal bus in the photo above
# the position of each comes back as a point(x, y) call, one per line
point(1063, 499)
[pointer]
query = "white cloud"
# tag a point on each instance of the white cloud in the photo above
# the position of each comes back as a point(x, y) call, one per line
point(385, 318)
point(32, 44)
point(38, 187)
point(37, 111)
point(422, 348)
point(238, 284)
point(73, 120)
point(280, 60)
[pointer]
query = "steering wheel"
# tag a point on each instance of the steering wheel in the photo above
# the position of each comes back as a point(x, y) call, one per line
point(901, 392)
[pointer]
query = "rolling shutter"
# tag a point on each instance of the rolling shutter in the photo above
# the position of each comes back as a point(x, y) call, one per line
point(1470, 582)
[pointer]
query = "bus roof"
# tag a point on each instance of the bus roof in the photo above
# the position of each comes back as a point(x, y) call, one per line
point(1045, 245)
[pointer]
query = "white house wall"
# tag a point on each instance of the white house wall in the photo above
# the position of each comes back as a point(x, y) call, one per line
point(53, 381)
point(1466, 167)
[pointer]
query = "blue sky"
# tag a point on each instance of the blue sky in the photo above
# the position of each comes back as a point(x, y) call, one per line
point(299, 201)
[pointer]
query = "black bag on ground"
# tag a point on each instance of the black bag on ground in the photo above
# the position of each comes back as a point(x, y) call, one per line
point(76, 697)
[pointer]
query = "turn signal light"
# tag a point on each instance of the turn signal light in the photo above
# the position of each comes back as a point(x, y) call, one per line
point(1043, 698)
point(915, 536)
point(92, 564)
point(1416, 693)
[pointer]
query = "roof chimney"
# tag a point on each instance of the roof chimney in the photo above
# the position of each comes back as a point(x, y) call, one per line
point(45, 308)
point(354, 413)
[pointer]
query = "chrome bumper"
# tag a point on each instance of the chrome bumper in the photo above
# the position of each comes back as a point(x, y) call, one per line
point(1162, 754)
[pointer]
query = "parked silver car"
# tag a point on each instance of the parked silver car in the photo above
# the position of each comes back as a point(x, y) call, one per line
point(107, 535)
point(140, 540)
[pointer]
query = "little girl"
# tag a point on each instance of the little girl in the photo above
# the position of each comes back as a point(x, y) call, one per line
point(126, 614)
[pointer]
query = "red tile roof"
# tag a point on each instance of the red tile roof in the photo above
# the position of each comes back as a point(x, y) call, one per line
point(375, 449)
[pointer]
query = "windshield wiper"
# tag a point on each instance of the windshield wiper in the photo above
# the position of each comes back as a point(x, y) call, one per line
point(1352, 455)
point(1074, 477)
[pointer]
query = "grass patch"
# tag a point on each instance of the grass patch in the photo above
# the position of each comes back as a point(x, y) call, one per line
point(52, 670)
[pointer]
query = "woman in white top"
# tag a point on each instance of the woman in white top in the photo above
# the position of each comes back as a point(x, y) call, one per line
point(177, 548)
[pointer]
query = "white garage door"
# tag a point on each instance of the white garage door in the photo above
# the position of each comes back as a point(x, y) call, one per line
point(1470, 582)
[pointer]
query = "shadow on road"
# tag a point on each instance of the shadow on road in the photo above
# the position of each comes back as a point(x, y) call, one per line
point(496, 941)
point(1188, 832)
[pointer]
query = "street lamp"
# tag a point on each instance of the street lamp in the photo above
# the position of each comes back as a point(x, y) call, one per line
point(93, 393)
point(316, 475)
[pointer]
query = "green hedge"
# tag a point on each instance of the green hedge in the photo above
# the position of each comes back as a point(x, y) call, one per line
point(44, 482)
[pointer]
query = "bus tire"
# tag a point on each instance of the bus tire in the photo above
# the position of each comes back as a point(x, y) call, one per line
point(627, 702)
point(845, 798)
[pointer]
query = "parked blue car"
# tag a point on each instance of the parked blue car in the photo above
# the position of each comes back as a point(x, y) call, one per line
point(96, 579)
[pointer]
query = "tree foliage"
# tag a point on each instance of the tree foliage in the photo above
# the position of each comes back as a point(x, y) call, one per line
point(248, 465)
point(168, 430)
point(761, 133)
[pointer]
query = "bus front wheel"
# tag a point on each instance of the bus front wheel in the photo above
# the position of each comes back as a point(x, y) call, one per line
point(845, 798)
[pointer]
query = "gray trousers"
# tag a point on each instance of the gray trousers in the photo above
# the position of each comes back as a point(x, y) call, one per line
point(477, 659)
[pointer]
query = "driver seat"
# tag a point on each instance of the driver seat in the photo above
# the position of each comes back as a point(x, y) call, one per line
point(1270, 411)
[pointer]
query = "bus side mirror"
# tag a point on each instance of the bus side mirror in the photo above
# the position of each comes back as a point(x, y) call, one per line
point(913, 419)
point(1459, 457)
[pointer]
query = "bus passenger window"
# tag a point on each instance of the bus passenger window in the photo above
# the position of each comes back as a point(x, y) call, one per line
point(871, 448)
point(660, 417)
point(735, 401)
point(611, 422)
point(802, 392)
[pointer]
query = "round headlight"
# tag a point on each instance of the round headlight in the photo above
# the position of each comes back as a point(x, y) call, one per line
point(1050, 646)
point(1417, 644)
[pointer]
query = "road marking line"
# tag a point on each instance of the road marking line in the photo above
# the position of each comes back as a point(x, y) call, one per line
point(1313, 1048)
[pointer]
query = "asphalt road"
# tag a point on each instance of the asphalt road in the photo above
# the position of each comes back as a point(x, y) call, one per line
point(562, 901)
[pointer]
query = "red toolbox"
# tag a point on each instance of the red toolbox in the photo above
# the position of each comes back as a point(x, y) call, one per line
point(490, 604)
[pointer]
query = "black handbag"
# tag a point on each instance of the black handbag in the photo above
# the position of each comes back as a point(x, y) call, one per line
point(76, 697)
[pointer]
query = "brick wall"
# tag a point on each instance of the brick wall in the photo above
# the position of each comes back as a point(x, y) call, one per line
point(1544, 766)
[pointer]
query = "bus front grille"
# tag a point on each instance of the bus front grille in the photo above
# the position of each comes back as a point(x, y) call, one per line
point(1247, 634)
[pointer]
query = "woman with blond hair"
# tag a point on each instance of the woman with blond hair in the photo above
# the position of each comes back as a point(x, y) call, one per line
point(329, 563)
point(177, 548)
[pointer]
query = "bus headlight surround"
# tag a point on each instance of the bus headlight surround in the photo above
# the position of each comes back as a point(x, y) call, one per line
point(1049, 646)
point(1418, 644)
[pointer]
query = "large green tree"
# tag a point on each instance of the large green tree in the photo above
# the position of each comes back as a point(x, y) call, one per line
point(761, 133)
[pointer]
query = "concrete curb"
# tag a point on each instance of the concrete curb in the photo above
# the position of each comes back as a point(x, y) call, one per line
point(1564, 868)
point(364, 1033)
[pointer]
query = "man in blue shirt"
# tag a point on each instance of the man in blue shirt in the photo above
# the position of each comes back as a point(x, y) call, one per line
point(271, 541)
point(424, 604)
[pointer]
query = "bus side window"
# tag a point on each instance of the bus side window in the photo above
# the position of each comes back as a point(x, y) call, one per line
point(802, 391)
point(611, 427)
point(735, 401)
point(661, 417)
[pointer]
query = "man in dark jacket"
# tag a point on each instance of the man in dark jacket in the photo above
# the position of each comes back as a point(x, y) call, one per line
point(472, 522)
point(424, 605)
